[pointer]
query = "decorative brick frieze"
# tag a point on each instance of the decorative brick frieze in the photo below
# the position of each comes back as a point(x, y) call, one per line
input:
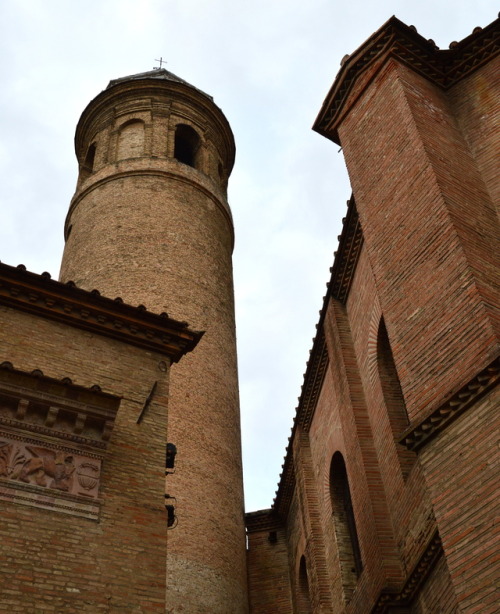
point(347, 255)
point(49, 476)
point(419, 435)
point(443, 67)
point(53, 438)
point(313, 381)
point(416, 579)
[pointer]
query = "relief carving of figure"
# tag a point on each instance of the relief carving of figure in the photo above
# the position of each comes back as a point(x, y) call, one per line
point(48, 464)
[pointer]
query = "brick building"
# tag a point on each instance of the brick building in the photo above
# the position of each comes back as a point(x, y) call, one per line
point(387, 498)
point(386, 502)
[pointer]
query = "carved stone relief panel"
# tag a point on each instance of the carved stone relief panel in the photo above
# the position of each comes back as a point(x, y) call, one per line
point(58, 469)
point(53, 439)
point(49, 476)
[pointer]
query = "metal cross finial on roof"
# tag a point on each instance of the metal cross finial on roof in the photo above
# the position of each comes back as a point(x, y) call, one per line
point(162, 61)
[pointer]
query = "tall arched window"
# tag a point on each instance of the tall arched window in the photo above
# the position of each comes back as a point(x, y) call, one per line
point(187, 145)
point(303, 596)
point(393, 396)
point(345, 525)
point(131, 140)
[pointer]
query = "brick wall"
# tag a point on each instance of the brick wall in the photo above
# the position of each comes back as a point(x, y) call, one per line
point(268, 573)
point(437, 594)
point(427, 286)
point(55, 562)
point(422, 163)
point(461, 471)
point(158, 232)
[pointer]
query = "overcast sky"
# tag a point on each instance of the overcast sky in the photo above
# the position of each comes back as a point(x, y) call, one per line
point(268, 64)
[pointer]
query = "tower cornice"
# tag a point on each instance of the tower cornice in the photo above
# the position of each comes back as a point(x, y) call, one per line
point(142, 91)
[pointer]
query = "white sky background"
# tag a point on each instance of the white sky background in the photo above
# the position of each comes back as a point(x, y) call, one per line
point(269, 65)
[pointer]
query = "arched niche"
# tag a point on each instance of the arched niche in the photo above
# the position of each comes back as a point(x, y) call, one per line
point(346, 533)
point(131, 140)
point(393, 397)
point(87, 168)
point(303, 593)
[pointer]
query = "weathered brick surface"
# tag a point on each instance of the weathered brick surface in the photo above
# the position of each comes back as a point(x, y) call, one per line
point(407, 505)
point(427, 283)
point(461, 469)
point(54, 562)
point(475, 102)
point(437, 593)
point(268, 574)
point(158, 232)
point(297, 547)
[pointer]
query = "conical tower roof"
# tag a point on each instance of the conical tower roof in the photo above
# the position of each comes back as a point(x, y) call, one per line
point(156, 73)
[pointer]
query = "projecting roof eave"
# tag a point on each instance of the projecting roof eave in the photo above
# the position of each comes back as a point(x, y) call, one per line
point(44, 297)
point(342, 274)
point(443, 67)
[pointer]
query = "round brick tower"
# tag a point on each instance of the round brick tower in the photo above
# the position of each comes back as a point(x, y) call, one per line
point(150, 222)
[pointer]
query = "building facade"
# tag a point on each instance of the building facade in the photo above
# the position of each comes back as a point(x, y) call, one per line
point(150, 226)
point(387, 499)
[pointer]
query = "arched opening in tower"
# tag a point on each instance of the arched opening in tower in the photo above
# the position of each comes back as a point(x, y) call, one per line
point(303, 595)
point(87, 167)
point(187, 144)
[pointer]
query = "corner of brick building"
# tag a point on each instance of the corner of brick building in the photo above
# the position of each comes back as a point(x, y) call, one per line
point(413, 299)
point(82, 450)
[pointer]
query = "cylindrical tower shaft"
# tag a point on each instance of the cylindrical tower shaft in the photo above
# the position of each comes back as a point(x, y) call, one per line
point(150, 223)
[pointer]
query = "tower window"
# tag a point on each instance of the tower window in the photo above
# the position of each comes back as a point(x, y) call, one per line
point(87, 167)
point(345, 525)
point(187, 145)
point(90, 158)
point(393, 396)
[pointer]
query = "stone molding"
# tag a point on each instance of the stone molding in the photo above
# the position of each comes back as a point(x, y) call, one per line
point(420, 434)
point(49, 499)
point(65, 303)
point(53, 439)
point(443, 67)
